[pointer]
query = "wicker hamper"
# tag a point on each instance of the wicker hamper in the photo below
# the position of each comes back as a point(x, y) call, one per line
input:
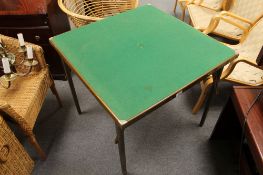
point(13, 158)
point(83, 12)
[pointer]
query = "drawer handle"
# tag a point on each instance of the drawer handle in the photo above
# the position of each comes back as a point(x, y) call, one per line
point(4, 152)
point(37, 37)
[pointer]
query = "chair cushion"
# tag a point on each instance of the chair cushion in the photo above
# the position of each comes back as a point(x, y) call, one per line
point(249, 50)
point(27, 94)
point(201, 17)
point(246, 74)
point(243, 72)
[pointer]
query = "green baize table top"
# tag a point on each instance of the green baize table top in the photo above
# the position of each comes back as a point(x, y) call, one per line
point(136, 59)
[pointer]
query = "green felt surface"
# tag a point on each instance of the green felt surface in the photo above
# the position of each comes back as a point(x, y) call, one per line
point(136, 59)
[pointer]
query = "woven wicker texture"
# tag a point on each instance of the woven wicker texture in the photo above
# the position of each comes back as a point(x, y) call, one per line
point(249, 49)
point(27, 94)
point(13, 158)
point(251, 10)
point(23, 100)
point(83, 12)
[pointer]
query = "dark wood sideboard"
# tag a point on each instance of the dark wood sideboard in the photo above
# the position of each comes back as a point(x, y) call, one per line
point(237, 118)
point(38, 20)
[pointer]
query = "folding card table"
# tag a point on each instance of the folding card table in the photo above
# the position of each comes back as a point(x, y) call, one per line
point(138, 60)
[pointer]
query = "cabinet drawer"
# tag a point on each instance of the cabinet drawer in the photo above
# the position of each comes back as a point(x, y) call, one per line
point(23, 20)
point(37, 35)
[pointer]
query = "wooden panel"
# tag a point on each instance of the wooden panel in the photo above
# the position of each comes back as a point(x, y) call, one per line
point(231, 121)
point(7, 5)
point(243, 98)
point(23, 20)
point(14, 7)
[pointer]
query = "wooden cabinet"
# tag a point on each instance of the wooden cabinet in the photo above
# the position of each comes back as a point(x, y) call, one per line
point(240, 118)
point(38, 20)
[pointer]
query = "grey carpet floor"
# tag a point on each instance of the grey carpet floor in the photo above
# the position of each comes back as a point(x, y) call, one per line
point(166, 142)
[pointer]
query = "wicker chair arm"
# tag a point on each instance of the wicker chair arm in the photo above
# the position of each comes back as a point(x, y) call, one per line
point(232, 65)
point(7, 109)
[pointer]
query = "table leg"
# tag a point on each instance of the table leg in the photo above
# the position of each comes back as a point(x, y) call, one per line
point(216, 78)
point(120, 141)
point(72, 88)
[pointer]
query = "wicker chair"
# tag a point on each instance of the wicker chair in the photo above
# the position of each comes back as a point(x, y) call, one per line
point(23, 100)
point(83, 12)
point(243, 70)
point(232, 23)
point(13, 157)
point(216, 5)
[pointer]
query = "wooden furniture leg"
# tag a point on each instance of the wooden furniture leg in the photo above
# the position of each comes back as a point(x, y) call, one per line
point(55, 92)
point(216, 78)
point(72, 88)
point(205, 85)
point(121, 145)
point(175, 6)
point(34, 143)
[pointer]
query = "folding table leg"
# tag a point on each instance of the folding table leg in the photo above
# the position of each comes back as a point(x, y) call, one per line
point(121, 145)
point(216, 79)
point(72, 88)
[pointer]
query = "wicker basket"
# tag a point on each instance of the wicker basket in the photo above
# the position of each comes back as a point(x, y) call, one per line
point(83, 12)
point(13, 157)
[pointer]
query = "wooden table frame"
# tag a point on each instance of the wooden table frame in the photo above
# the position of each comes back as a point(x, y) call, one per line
point(80, 62)
point(216, 73)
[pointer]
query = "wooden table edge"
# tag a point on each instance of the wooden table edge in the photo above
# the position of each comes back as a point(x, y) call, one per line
point(125, 123)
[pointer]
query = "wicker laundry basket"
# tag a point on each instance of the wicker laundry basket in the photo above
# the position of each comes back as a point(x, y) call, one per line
point(83, 12)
